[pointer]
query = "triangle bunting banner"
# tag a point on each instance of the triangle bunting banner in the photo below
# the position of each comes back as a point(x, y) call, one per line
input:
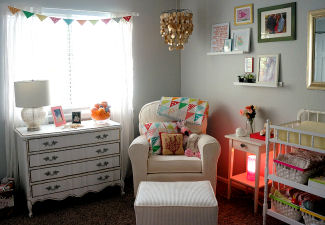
point(68, 21)
point(182, 105)
point(41, 17)
point(28, 14)
point(13, 10)
point(188, 115)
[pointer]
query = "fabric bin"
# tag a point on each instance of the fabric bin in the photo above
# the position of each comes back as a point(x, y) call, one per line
point(312, 218)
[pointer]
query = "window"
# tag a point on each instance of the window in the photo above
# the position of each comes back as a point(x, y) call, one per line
point(85, 64)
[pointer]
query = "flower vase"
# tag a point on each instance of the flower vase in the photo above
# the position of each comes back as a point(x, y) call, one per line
point(250, 126)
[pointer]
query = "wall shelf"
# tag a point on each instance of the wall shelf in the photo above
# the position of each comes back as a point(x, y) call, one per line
point(280, 84)
point(226, 53)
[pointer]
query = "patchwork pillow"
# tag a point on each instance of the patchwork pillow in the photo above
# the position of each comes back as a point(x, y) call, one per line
point(172, 144)
point(152, 131)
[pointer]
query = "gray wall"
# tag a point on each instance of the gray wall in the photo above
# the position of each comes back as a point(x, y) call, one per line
point(212, 77)
point(156, 70)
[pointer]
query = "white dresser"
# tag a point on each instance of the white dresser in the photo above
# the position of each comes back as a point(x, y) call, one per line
point(58, 162)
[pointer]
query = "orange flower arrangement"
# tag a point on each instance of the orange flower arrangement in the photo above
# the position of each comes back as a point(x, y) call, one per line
point(249, 112)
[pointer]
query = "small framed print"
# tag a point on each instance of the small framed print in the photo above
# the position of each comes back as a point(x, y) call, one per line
point(76, 117)
point(277, 23)
point(241, 39)
point(58, 116)
point(268, 70)
point(243, 14)
point(228, 45)
point(249, 65)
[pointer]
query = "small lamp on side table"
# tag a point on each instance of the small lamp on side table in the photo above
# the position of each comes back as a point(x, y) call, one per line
point(32, 96)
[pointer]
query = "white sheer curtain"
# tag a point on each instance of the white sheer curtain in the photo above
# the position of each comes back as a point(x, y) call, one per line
point(85, 65)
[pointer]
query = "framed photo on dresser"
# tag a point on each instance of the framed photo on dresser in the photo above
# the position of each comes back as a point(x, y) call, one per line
point(58, 116)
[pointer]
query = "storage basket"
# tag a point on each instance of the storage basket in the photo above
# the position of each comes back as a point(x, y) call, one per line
point(285, 208)
point(312, 218)
point(293, 173)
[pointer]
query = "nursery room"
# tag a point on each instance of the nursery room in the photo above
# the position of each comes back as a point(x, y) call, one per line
point(166, 112)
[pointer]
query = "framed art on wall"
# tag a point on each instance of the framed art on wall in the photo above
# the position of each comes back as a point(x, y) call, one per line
point(277, 23)
point(249, 65)
point(228, 45)
point(268, 69)
point(241, 39)
point(243, 14)
point(219, 33)
point(58, 116)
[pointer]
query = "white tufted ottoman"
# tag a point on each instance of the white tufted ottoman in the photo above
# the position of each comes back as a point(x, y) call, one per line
point(176, 203)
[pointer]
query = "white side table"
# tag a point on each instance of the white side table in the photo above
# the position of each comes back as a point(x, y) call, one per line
point(249, 145)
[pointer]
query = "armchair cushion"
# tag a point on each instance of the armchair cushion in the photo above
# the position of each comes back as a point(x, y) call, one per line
point(174, 164)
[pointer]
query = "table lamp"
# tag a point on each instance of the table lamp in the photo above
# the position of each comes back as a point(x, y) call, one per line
point(32, 95)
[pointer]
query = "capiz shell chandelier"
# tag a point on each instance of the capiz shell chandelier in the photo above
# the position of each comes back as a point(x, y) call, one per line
point(175, 27)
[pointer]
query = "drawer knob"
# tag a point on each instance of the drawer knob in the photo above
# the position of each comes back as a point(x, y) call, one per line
point(243, 145)
point(103, 178)
point(53, 188)
point(53, 158)
point(99, 151)
point(101, 137)
point(50, 144)
point(102, 164)
point(48, 173)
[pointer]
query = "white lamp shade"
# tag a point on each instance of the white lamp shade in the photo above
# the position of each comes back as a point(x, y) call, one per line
point(32, 93)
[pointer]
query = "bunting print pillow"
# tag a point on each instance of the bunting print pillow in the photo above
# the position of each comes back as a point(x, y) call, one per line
point(192, 110)
point(152, 131)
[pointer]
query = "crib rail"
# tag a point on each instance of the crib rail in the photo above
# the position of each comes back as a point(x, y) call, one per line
point(309, 114)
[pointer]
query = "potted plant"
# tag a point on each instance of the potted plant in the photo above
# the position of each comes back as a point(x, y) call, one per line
point(241, 78)
point(250, 78)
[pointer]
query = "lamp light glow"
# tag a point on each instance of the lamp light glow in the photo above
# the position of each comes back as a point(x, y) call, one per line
point(251, 159)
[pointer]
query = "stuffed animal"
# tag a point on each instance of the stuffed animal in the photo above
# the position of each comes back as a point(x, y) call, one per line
point(184, 130)
point(192, 143)
point(263, 132)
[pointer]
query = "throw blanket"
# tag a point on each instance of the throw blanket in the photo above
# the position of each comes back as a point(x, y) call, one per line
point(192, 110)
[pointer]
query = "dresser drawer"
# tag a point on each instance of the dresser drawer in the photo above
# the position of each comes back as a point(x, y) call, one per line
point(73, 140)
point(73, 154)
point(73, 183)
point(243, 146)
point(74, 168)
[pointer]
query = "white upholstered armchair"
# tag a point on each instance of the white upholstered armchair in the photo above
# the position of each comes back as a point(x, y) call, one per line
point(148, 167)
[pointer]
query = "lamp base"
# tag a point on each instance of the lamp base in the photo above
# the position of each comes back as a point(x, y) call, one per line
point(33, 117)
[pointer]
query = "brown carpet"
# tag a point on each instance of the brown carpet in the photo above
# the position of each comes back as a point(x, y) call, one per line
point(109, 208)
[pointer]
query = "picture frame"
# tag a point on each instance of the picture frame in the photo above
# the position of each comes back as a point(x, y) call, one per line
point(228, 45)
point(277, 23)
point(268, 70)
point(76, 117)
point(219, 33)
point(241, 39)
point(249, 64)
point(243, 14)
point(58, 116)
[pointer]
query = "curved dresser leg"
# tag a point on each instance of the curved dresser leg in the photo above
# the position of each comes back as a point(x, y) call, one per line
point(30, 208)
point(122, 187)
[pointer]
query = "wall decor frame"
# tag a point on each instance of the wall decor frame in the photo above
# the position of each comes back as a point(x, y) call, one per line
point(241, 39)
point(243, 14)
point(228, 45)
point(277, 23)
point(219, 33)
point(58, 116)
point(249, 64)
point(268, 69)
point(315, 78)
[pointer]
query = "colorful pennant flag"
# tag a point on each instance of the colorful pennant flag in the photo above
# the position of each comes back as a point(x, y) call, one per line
point(28, 14)
point(81, 22)
point(93, 21)
point(13, 10)
point(127, 18)
point(117, 19)
point(68, 21)
point(106, 20)
point(54, 19)
point(41, 17)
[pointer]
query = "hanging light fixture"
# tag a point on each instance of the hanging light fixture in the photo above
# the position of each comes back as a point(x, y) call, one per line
point(175, 27)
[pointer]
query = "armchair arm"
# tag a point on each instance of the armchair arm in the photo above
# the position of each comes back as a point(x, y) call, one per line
point(138, 153)
point(210, 151)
